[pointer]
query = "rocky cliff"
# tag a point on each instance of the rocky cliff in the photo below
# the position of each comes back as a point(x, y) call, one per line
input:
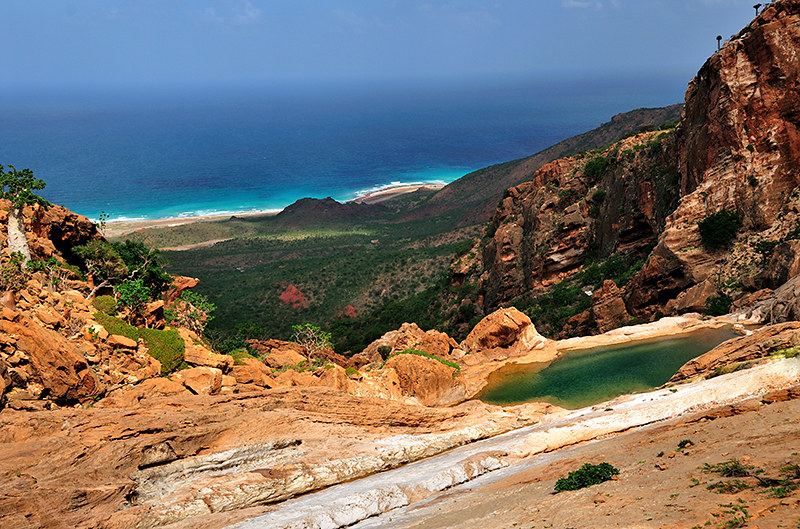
point(735, 152)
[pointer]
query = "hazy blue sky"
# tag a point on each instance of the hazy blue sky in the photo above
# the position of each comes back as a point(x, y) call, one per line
point(154, 42)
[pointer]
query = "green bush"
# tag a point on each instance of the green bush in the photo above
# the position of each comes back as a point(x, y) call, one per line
point(384, 351)
point(719, 229)
point(240, 353)
point(586, 476)
point(718, 305)
point(595, 168)
point(165, 346)
point(105, 304)
point(350, 371)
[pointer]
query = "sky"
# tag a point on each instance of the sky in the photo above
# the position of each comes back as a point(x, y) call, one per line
point(64, 43)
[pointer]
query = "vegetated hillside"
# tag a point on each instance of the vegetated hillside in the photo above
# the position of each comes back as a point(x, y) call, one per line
point(479, 191)
point(717, 198)
point(265, 283)
point(327, 252)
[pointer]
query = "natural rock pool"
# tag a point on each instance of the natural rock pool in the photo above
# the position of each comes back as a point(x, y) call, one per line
point(585, 377)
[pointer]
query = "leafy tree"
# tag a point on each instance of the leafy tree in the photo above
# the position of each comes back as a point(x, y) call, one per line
point(144, 263)
point(133, 295)
point(103, 262)
point(18, 187)
point(311, 338)
point(193, 311)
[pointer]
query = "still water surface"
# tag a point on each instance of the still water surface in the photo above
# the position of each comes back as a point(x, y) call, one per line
point(585, 377)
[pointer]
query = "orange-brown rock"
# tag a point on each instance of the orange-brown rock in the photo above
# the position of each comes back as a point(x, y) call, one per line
point(503, 333)
point(179, 284)
point(129, 396)
point(52, 362)
point(606, 313)
point(783, 265)
point(202, 380)
point(410, 336)
point(117, 340)
point(739, 146)
point(253, 371)
point(694, 299)
point(278, 353)
point(197, 354)
point(429, 381)
point(762, 343)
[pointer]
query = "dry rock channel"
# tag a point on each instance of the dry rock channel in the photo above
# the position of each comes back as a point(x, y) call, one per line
point(349, 503)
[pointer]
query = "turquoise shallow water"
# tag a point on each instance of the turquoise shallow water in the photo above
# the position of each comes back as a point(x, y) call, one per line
point(583, 378)
point(163, 153)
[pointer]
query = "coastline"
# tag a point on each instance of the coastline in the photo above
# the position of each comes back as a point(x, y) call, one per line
point(118, 228)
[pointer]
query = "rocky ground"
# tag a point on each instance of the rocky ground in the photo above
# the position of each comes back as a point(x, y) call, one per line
point(653, 491)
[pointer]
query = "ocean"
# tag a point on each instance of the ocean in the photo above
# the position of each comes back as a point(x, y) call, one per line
point(171, 152)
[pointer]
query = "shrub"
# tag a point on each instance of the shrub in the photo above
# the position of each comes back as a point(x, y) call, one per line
point(105, 304)
point(311, 338)
point(193, 311)
point(350, 371)
point(384, 351)
point(599, 196)
point(718, 305)
point(144, 263)
point(595, 168)
point(719, 229)
point(133, 295)
point(240, 353)
point(12, 276)
point(586, 476)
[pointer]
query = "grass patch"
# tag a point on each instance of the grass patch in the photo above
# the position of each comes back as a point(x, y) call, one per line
point(423, 354)
point(165, 346)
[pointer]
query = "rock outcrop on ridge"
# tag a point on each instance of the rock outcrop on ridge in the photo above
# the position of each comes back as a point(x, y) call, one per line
point(641, 200)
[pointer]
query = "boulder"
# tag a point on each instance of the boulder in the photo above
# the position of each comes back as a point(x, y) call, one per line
point(784, 264)
point(253, 372)
point(608, 308)
point(179, 284)
point(694, 299)
point(202, 380)
point(117, 340)
point(196, 354)
point(506, 331)
point(53, 362)
point(333, 377)
point(410, 336)
point(278, 353)
point(360, 360)
point(429, 381)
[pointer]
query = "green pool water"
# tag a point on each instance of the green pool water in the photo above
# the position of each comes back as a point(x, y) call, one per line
point(586, 377)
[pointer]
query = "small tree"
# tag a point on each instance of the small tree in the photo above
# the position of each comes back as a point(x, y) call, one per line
point(103, 262)
point(719, 42)
point(311, 338)
point(18, 187)
point(193, 311)
point(133, 295)
point(757, 7)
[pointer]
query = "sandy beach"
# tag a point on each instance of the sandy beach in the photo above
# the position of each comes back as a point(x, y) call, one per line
point(123, 227)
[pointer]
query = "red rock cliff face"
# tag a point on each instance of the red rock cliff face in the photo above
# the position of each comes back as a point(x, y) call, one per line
point(739, 148)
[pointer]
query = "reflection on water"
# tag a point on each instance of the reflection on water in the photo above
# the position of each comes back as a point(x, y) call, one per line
point(583, 378)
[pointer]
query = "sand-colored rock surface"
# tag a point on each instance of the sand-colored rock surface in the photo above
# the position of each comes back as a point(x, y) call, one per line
point(162, 459)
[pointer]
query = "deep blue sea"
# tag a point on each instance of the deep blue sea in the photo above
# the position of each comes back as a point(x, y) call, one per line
point(170, 152)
